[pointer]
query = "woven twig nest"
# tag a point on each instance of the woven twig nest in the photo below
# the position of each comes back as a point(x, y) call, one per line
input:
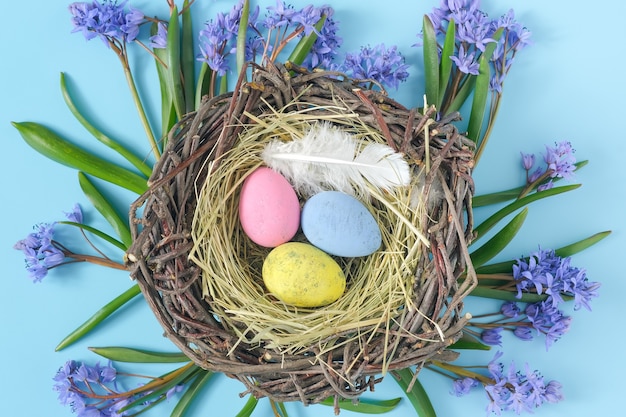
point(402, 305)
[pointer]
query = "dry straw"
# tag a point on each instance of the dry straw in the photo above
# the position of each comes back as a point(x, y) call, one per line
point(379, 286)
point(200, 274)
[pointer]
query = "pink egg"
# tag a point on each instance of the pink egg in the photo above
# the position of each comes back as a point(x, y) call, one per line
point(269, 210)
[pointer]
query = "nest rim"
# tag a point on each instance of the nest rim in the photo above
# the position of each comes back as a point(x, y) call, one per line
point(170, 284)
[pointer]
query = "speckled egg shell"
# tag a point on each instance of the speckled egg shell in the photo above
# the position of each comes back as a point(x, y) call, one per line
point(269, 210)
point(340, 225)
point(301, 275)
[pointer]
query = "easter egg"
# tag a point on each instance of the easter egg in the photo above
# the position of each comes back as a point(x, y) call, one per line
point(340, 225)
point(301, 275)
point(269, 210)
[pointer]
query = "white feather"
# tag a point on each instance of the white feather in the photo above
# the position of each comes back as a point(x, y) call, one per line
point(328, 158)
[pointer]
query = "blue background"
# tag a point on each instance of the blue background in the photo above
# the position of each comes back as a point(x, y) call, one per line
point(568, 86)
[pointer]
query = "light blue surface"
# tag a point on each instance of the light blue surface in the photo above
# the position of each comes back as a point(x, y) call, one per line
point(568, 86)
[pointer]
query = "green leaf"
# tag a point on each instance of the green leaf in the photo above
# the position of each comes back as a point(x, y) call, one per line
point(191, 392)
point(99, 317)
point(505, 295)
point(418, 396)
point(168, 113)
point(479, 102)
point(303, 47)
point(204, 83)
point(565, 251)
point(364, 405)
point(116, 146)
point(581, 245)
point(248, 407)
point(481, 90)
point(179, 376)
point(486, 225)
point(431, 61)
point(188, 59)
point(105, 208)
point(241, 36)
point(499, 241)
point(124, 354)
point(173, 52)
point(512, 194)
point(445, 68)
point(51, 145)
point(96, 232)
point(469, 342)
point(462, 94)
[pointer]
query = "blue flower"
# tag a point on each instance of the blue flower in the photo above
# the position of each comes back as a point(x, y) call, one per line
point(463, 386)
point(465, 62)
point(383, 65)
point(551, 274)
point(492, 336)
point(40, 252)
point(518, 391)
point(325, 47)
point(107, 20)
point(159, 40)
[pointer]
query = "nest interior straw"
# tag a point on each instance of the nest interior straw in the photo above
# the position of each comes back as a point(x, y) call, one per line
point(379, 286)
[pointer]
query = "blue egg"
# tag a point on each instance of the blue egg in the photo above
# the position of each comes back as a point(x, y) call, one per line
point(340, 225)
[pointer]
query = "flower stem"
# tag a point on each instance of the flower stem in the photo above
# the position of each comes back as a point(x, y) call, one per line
point(139, 105)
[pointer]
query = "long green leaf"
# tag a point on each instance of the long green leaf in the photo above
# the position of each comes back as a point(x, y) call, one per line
point(486, 225)
point(124, 354)
point(181, 376)
point(303, 47)
point(51, 145)
point(505, 295)
point(462, 94)
point(569, 250)
point(581, 245)
point(99, 317)
point(248, 407)
point(499, 241)
point(418, 396)
point(242, 33)
point(168, 112)
point(173, 52)
point(364, 405)
point(479, 102)
point(481, 90)
point(431, 61)
point(105, 208)
point(445, 68)
point(137, 162)
point(188, 60)
point(98, 233)
point(469, 342)
point(204, 83)
point(191, 393)
point(513, 193)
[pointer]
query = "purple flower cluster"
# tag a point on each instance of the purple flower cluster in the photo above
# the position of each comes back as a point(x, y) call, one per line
point(543, 272)
point(560, 163)
point(550, 274)
point(109, 20)
point(40, 250)
point(268, 35)
point(474, 31)
point(379, 63)
point(93, 391)
point(513, 390)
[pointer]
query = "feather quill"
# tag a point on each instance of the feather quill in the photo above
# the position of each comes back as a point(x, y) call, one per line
point(328, 158)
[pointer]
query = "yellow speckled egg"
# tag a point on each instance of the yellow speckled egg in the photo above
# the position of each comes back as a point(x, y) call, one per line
point(301, 275)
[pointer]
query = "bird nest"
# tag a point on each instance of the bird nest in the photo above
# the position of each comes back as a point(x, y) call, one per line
point(201, 275)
